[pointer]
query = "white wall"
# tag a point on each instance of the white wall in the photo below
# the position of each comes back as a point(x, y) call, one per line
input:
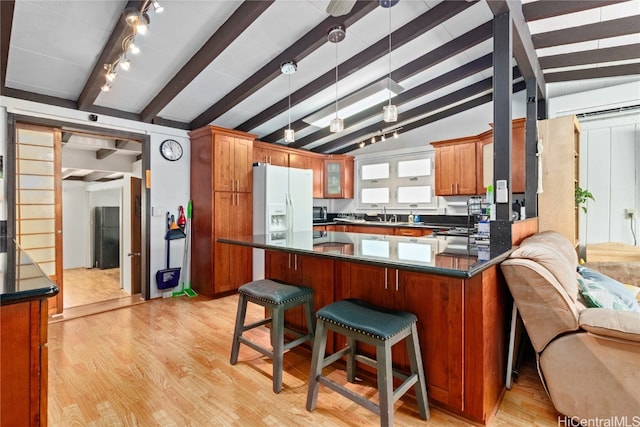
point(609, 158)
point(75, 225)
point(169, 180)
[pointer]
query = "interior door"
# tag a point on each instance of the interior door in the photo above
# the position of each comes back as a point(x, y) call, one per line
point(136, 235)
point(38, 187)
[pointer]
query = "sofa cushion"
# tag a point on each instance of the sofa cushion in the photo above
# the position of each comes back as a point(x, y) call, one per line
point(614, 287)
point(556, 240)
point(551, 259)
point(616, 324)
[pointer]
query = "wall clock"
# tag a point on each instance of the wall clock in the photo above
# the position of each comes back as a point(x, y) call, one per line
point(171, 149)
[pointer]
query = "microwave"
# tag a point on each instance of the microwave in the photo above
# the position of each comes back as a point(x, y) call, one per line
point(319, 214)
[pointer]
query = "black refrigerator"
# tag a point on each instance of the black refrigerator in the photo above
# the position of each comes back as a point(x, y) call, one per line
point(106, 237)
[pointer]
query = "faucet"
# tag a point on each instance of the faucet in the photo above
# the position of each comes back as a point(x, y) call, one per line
point(384, 213)
point(394, 218)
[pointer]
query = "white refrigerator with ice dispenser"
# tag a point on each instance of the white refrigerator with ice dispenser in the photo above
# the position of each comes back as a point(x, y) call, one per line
point(282, 204)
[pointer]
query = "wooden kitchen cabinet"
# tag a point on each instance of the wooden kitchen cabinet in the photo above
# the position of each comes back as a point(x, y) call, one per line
point(233, 162)
point(221, 185)
point(412, 232)
point(455, 166)
point(315, 273)
point(232, 263)
point(23, 363)
point(369, 229)
point(437, 301)
point(314, 162)
point(485, 158)
point(379, 286)
point(265, 152)
point(338, 177)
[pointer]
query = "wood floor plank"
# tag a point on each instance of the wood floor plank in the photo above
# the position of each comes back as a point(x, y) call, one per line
point(166, 362)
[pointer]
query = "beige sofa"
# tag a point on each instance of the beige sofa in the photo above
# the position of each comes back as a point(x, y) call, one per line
point(588, 358)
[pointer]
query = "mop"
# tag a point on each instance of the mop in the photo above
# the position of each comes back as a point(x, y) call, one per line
point(186, 276)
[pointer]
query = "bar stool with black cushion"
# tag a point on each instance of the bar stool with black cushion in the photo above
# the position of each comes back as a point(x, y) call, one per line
point(277, 298)
point(361, 321)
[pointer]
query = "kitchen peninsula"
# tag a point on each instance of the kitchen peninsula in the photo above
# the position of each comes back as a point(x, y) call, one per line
point(461, 302)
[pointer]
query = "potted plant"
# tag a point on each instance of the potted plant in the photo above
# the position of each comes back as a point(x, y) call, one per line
point(581, 197)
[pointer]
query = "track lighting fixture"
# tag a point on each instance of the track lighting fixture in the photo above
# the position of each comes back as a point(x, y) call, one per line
point(382, 135)
point(139, 21)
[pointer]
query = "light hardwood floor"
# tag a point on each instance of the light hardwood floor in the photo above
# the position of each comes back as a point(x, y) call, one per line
point(166, 363)
point(84, 286)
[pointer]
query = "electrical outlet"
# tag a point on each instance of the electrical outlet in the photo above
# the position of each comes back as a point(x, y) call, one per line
point(630, 213)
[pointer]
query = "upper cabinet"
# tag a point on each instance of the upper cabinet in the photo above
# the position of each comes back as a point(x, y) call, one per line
point(485, 158)
point(302, 160)
point(338, 177)
point(455, 166)
point(464, 166)
point(278, 155)
point(264, 152)
point(232, 163)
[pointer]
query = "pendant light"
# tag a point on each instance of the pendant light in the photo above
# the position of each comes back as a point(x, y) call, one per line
point(390, 111)
point(289, 68)
point(336, 35)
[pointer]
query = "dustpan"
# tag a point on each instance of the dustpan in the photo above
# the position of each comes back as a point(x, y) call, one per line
point(169, 277)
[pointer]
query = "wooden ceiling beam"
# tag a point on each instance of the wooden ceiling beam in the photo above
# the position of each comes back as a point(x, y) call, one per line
point(6, 22)
point(110, 52)
point(471, 38)
point(524, 50)
point(439, 82)
point(233, 27)
point(297, 51)
point(588, 32)
point(95, 176)
point(425, 22)
point(470, 91)
point(475, 102)
point(594, 56)
point(104, 152)
point(550, 8)
point(594, 73)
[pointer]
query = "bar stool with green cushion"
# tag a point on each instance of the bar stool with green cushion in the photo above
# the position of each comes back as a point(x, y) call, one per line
point(277, 298)
point(361, 321)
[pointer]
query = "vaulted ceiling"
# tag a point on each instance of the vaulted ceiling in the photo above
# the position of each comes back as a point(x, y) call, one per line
point(218, 62)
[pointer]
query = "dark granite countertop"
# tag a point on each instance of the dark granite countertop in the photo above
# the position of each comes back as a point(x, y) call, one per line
point(443, 255)
point(21, 279)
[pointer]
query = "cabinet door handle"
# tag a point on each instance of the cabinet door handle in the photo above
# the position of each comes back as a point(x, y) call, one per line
point(396, 280)
point(289, 263)
point(385, 279)
point(451, 188)
point(237, 185)
point(457, 188)
point(233, 183)
point(295, 262)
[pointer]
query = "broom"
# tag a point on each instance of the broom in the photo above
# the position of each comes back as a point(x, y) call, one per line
point(186, 276)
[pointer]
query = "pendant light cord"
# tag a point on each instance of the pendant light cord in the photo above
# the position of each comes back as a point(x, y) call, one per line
point(336, 79)
point(388, 89)
point(289, 101)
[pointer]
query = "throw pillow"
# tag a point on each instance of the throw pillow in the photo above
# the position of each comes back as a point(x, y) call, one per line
point(599, 296)
point(613, 286)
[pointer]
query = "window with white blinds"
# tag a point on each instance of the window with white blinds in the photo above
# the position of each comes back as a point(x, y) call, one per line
point(404, 181)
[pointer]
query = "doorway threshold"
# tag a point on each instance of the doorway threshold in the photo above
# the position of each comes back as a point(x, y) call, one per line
point(97, 307)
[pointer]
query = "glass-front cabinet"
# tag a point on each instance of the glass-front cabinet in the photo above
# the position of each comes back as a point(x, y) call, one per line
point(338, 177)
